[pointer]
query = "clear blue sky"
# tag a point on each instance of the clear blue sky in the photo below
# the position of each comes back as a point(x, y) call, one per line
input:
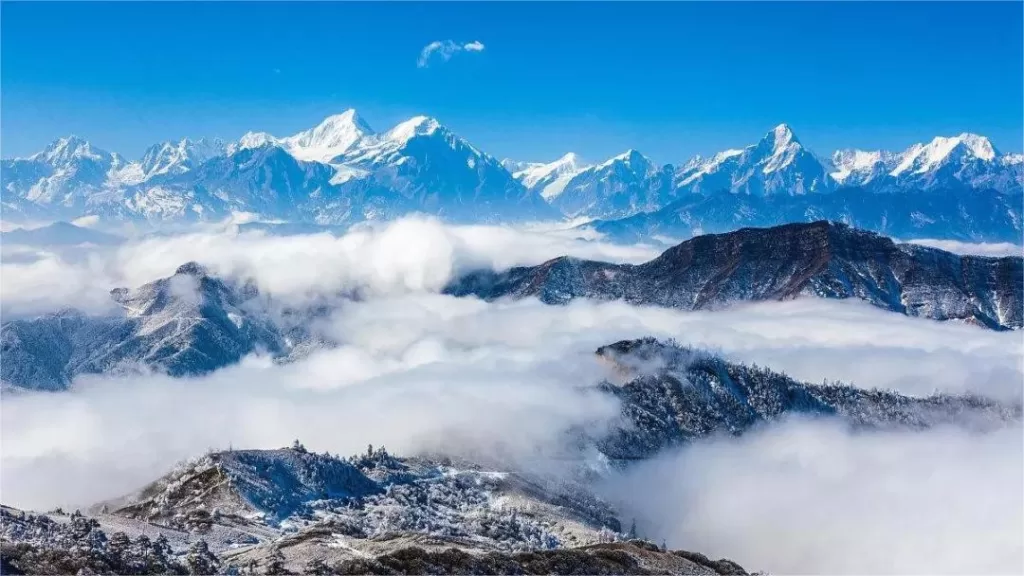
point(670, 79)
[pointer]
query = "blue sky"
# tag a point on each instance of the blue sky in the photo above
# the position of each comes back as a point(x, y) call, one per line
point(669, 79)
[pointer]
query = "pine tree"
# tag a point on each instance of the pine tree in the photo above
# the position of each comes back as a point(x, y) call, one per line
point(200, 560)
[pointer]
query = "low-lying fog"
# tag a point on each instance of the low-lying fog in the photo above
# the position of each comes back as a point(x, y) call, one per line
point(420, 370)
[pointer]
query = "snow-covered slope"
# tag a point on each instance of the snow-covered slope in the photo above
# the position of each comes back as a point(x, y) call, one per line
point(175, 157)
point(419, 165)
point(63, 177)
point(621, 186)
point(334, 136)
point(967, 160)
point(549, 179)
point(778, 164)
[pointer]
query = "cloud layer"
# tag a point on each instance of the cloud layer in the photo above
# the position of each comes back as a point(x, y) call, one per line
point(417, 370)
point(812, 497)
point(994, 249)
point(442, 51)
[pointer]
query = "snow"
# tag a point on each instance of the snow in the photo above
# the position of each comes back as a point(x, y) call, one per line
point(343, 173)
point(252, 140)
point(849, 162)
point(551, 178)
point(923, 158)
point(416, 126)
point(334, 136)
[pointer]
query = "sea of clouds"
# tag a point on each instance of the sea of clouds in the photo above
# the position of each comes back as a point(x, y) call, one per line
point(418, 370)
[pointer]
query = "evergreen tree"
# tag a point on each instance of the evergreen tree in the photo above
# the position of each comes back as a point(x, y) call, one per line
point(200, 560)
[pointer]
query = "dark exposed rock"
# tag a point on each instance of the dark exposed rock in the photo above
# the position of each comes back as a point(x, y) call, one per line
point(822, 259)
point(634, 557)
point(673, 394)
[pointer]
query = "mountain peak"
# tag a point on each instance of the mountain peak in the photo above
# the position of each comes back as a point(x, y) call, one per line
point(252, 140)
point(415, 126)
point(68, 148)
point(630, 157)
point(192, 269)
point(923, 158)
point(330, 138)
point(781, 136)
point(570, 158)
point(979, 145)
point(347, 120)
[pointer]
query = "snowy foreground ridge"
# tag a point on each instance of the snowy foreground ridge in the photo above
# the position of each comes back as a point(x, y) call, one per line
point(342, 171)
point(290, 510)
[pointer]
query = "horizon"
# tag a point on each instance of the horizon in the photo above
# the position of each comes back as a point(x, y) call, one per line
point(675, 82)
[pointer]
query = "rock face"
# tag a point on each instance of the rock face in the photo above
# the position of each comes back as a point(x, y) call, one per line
point(671, 395)
point(820, 259)
point(187, 324)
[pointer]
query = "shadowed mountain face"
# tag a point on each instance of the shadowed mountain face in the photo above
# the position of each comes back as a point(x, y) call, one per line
point(671, 395)
point(818, 259)
point(958, 213)
point(187, 324)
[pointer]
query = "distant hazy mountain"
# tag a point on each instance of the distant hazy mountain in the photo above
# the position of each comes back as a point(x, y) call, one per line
point(956, 213)
point(819, 259)
point(58, 234)
point(342, 172)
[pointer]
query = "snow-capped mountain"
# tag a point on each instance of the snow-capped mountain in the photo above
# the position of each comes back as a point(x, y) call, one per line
point(621, 186)
point(65, 175)
point(819, 259)
point(334, 136)
point(337, 172)
point(967, 160)
point(778, 164)
point(547, 179)
point(177, 157)
point(341, 172)
point(420, 165)
point(859, 168)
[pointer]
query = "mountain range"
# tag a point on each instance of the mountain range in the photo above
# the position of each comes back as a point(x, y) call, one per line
point(194, 322)
point(342, 171)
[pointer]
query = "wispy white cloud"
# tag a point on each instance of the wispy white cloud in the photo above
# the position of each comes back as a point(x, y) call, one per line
point(443, 50)
point(972, 248)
